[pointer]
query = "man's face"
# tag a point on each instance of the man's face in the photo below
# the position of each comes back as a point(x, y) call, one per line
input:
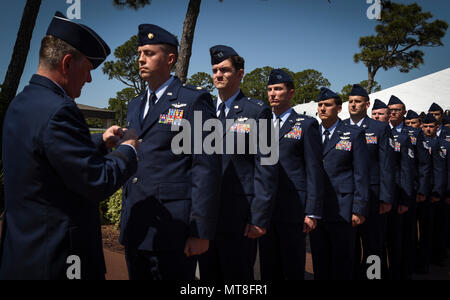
point(328, 110)
point(438, 115)
point(358, 105)
point(154, 62)
point(279, 95)
point(415, 123)
point(79, 72)
point(226, 77)
point(429, 129)
point(397, 112)
point(381, 115)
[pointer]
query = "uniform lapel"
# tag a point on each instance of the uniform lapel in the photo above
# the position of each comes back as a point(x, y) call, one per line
point(287, 126)
point(333, 139)
point(164, 103)
point(236, 108)
point(134, 113)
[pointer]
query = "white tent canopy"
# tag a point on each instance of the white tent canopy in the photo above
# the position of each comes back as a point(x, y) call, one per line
point(417, 94)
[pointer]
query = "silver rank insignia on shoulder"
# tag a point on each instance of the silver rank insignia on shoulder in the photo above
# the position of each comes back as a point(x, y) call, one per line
point(243, 119)
point(411, 153)
point(179, 105)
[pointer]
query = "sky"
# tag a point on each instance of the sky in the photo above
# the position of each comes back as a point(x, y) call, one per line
point(296, 34)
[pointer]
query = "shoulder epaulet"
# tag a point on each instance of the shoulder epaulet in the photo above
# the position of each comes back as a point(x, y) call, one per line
point(256, 101)
point(194, 87)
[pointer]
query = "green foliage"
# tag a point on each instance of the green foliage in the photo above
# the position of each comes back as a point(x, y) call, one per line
point(403, 29)
point(126, 67)
point(120, 104)
point(95, 123)
point(134, 4)
point(202, 79)
point(254, 83)
point(110, 210)
point(307, 84)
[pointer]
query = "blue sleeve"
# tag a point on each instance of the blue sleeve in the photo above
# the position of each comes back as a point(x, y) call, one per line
point(206, 179)
point(265, 180)
point(360, 175)
point(407, 164)
point(71, 152)
point(315, 174)
point(423, 161)
point(386, 160)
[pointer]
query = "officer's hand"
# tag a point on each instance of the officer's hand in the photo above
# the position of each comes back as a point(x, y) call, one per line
point(112, 136)
point(195, 246)
point(420, 198)
point(402, 209)
point(309, 224)
point(254, 232)
point(357, 220)
point(130, 138)
point(385, 208)
point(434, 199)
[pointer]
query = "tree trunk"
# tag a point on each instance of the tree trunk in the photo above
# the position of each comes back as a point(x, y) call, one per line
point(187, 39)
point(371, 80)
point(20, 53)
point(16, 67)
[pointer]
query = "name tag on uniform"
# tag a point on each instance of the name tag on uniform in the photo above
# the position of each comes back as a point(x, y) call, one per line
point(345, 145)
point(174, 117)
point(240, 128)
point(295, 133)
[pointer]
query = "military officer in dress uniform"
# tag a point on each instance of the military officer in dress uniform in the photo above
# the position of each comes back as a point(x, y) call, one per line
point(412, 119)
point(381, 155)
point(438, 193)
point(422, 171)
point(299, 196)
point(442, 131)
point(380, 111)
point(346, 187)
point(248, 185)
point(56, 173)
point(169, 212)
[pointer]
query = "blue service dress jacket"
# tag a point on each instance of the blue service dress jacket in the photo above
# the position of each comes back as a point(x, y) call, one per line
point(404, 170)
point(173, 195)
point(248, 186)
point(301, 174)
point(422, 157)
point(55, 177)
point(381, 155)
point(346, 162)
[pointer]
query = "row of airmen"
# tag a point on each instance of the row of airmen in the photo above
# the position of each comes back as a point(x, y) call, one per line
point(355, 186)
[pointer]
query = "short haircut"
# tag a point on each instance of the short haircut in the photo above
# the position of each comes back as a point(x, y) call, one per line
point(53, 51)
point(238, 62)
point(338, 101)
point(170, 49)
point(289, 85)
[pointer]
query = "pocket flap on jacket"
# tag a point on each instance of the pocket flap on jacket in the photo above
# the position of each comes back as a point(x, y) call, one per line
point(174, 191)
